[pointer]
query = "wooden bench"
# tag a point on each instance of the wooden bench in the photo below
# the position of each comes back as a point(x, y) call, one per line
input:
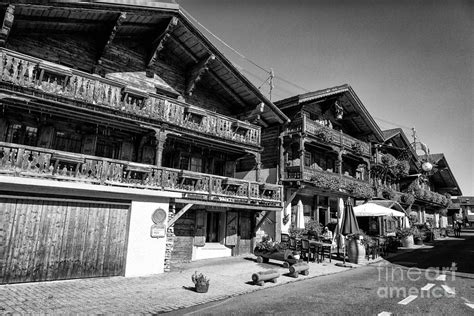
point(299, 268)
point(261, 277)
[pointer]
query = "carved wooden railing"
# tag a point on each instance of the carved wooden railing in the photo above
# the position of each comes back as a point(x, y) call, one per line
point(57, 80)
point(34, 162)
point(329, 135)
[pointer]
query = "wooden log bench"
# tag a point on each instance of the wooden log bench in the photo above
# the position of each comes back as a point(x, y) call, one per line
point(261, 277)
point(299, 268)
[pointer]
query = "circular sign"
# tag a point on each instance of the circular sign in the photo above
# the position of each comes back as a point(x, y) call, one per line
point(159, 216)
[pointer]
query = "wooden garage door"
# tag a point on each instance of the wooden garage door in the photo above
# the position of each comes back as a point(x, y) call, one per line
point(57, 239)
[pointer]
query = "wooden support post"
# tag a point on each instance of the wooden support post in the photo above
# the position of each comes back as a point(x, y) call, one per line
point(121, 17)
point(160, 41)
point(196, 73)
point(179, 214)
point(260, 223)
point(7, 25)
point(258, 167)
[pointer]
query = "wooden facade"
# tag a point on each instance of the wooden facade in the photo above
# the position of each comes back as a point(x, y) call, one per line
point(128, 97)
point(424, 192)
point(324, 153)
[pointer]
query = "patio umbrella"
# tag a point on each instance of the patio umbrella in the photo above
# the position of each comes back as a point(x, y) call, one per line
point(349, 223)
point(299, 215)
point(340, 211)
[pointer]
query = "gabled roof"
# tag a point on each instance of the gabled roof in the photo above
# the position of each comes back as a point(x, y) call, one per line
point(443, 178)
point(397, 136)
point(355, 113)
point(148, 23)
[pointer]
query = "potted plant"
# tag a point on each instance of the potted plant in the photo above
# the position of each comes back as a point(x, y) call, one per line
point(201, 282)
point(418, 236)
point(406, 236)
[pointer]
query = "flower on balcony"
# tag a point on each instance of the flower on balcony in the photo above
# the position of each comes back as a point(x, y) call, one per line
point(389, 193)
point(327, 181)
point(407, 198)
point(357, 148)
point(359, 189)
point(324, 136)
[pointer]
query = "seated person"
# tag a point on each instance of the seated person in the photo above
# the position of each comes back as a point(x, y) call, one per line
point(326, 236)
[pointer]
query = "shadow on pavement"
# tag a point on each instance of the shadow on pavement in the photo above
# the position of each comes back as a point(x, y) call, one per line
point(440, 254)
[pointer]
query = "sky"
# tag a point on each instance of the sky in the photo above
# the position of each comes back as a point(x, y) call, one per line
point(409, 62)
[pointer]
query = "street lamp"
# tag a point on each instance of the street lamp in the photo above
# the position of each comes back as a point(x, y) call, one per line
point(426, 166)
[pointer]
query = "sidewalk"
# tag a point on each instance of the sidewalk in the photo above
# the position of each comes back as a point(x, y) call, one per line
point(154, 294)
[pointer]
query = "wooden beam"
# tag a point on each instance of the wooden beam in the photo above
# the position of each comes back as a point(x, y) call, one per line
point(179, 214)
point(196, 72)
point(160, 41)
point(185, 49)
point(227, 88)
point(120, 18)
point(292, 197)
point(7, 24)
point(260, 223)
point(252, 113)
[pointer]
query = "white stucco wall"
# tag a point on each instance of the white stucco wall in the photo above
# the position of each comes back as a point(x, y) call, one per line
point(145, 255)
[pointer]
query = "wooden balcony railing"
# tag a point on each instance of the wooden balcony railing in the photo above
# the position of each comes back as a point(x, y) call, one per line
point(329, 181)
point(59, 81)
point(329, 135)
point(34, 162)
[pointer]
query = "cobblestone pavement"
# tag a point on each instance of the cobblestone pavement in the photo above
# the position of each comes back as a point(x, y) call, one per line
point(146, 295)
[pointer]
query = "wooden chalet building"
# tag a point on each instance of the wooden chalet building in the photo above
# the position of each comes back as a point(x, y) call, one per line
point(323, 154)
point(398, 175)
point(120, 122)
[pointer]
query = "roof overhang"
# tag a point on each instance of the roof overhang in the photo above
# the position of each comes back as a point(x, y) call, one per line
point(357, 114)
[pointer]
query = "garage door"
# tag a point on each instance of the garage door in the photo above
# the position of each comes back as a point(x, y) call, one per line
point(57, 239)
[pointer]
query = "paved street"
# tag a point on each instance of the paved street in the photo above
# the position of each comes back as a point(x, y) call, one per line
point(329, 289)
point(146, 295)
point(371, 290)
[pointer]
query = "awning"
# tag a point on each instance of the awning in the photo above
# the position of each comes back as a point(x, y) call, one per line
point(372, 209)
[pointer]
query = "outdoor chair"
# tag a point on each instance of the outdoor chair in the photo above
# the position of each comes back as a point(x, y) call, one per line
point(381, 246)
point(325, 250)
point(292, 244)
point(285, 239)
point(305, 249)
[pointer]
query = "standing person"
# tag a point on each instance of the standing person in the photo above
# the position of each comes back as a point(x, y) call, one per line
point(459, 228)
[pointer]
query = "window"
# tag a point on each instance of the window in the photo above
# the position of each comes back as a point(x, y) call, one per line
point(196, 164)
point(22, 134)
point(67, 142)
point(107, 148)
point(14, 133)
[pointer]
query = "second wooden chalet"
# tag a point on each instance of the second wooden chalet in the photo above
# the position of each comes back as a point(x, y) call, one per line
point(422, 183)
point(323, 154)
point(125, 138)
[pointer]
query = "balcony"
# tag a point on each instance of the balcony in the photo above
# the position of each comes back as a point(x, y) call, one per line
point(328, 135)
point(34, 162)
point(56, 82)
point(329, 181)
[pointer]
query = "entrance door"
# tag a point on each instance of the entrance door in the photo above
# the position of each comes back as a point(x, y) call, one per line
point(212, 233)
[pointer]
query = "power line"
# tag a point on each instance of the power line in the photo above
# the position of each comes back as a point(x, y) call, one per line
point(224, 43)
point(392, 123)
point(292, 84)
point(269, 72)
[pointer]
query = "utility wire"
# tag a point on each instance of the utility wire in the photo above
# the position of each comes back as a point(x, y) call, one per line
point(224, 43)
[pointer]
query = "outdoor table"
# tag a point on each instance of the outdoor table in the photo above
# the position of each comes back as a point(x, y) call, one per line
point(321, 245)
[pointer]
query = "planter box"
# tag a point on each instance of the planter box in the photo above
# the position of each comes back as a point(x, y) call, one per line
point(286, 256)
